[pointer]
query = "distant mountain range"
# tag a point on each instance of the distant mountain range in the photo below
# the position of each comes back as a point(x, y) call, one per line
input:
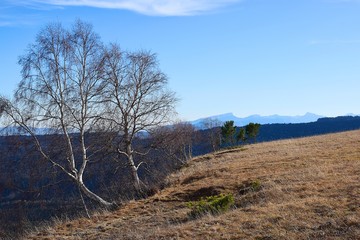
point(8, 131)
point(239, 122)
point(308, 117)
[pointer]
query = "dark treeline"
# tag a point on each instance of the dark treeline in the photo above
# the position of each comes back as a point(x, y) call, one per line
point(271, 132)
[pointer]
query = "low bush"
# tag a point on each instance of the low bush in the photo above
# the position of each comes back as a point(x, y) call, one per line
point(256, 185)
point(212, 204)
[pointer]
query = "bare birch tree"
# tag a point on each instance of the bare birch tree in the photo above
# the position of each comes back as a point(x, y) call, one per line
point(175, 141)
point(138, 99)
point(213, 132)
point(60, 89)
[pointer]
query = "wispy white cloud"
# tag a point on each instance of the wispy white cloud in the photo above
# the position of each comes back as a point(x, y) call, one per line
point(147, 7)
point(10, 15)
point(4, 23)
point(333, 42)
point(15, 20)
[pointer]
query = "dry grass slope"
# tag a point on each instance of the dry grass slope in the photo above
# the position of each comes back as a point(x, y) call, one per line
point(310, 189)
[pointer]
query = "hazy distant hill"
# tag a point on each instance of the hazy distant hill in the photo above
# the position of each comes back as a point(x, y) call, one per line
point(8, 131)
point(308, 117)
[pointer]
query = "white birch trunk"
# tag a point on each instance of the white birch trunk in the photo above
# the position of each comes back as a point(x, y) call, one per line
point(133, 168)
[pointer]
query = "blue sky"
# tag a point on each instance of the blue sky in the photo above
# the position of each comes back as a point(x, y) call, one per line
point(248, 57)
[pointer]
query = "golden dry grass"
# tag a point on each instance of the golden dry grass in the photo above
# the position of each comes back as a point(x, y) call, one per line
point(310, 189)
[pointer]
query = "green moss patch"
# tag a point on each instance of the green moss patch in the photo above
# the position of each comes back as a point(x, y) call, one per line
point(212, 204)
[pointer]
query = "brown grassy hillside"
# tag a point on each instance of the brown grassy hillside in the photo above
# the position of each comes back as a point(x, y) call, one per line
point(310, 189)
